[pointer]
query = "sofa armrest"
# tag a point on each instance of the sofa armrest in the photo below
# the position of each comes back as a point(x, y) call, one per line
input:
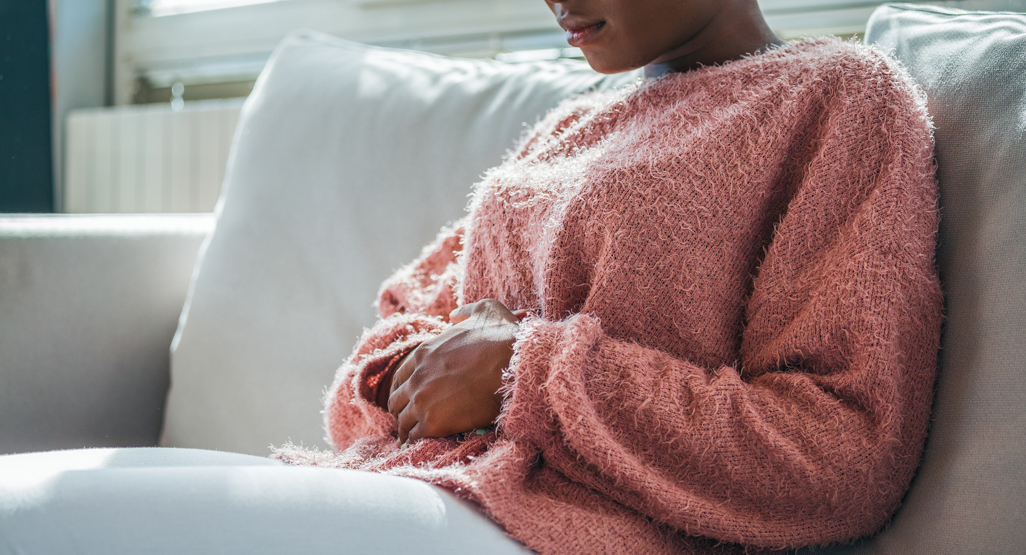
point(88, 308)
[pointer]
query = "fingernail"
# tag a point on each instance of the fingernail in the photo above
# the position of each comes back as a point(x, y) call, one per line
point(404, 446)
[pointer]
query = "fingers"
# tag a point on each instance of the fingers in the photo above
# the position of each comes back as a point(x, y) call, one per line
point(461, 313)
point(407, 423)
point(407, 365)
point(416, 432)
point(399, 399)
point(523, 312)
point(413, 428)
point(466, 311)
point(410, 426)
point(397, 402)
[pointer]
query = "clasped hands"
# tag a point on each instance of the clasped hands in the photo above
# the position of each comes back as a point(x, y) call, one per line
point(450, 383)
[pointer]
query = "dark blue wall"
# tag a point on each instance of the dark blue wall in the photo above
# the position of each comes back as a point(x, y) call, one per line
point(26, 167)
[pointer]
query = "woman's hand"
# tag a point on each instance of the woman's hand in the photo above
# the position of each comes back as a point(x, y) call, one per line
point(450, 383)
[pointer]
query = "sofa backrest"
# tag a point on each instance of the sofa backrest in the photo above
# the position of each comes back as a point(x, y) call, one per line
point(970, 493)
point(348, 158)
point(346, 161)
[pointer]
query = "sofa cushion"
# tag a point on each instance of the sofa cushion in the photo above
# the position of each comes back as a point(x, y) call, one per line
point(347, 160)
point(176, 501)
point(968, 495)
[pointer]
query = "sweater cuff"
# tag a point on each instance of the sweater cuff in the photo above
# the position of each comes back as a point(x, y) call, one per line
point(351, 410)
point(371, 376)
point(383, 346)
point(542, 350)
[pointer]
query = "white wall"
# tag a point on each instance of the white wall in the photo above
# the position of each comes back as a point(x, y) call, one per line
point(80, 72)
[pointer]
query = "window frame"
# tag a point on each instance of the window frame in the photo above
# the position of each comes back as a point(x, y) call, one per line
point(240, 39)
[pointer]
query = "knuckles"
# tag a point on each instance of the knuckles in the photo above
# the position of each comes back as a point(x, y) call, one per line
point(422, 400)
point(429, 428)
point(485, 307)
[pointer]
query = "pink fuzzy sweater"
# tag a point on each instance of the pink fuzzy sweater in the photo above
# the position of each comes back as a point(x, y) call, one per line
point(740, 314)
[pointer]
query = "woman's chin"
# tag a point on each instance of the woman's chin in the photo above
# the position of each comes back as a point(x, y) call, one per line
point(606, 66)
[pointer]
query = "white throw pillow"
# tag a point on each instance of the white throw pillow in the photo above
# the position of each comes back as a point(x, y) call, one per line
point(968, 495)
point(346, 161)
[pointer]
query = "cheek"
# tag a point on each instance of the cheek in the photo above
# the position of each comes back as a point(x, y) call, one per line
point(647, 29)
point(633, 41)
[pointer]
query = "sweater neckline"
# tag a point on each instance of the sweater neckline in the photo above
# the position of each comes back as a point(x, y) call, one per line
point(739, 64)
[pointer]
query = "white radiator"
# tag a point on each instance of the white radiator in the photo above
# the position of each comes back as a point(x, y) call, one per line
point(148, 158)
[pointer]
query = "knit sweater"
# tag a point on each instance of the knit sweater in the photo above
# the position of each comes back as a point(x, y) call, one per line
point(739, 313)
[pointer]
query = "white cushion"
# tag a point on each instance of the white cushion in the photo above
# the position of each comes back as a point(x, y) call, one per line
point(175, 501)
point(970, 491)
point(347, 160)
point(968, 496)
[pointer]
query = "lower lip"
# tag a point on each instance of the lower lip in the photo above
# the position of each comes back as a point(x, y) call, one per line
point(581, 37)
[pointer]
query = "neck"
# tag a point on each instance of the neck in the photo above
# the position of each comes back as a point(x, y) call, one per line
point(735, 31)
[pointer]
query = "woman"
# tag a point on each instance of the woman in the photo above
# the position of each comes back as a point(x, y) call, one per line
point(699, 311)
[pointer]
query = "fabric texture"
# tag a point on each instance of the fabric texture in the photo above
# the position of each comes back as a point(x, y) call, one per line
point(968, 495)
point(346, 160)
point(174, 501)
point(740, 314)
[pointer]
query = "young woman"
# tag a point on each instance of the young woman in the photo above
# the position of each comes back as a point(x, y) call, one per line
point(697, 312)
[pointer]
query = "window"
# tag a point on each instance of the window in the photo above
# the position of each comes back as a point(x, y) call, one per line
point(216, 48)
point(175, 51)
point(158, 8)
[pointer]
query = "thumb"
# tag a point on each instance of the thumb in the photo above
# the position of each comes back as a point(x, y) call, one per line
point(523, 312)
point(461, 313)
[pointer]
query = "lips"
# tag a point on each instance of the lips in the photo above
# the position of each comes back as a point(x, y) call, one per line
point(581, 32)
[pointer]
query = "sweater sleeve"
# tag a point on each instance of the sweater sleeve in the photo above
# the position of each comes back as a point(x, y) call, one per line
point(814, 433)
point(414, 305)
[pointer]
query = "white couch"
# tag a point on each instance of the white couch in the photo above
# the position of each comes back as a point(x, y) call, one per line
point(347, 159)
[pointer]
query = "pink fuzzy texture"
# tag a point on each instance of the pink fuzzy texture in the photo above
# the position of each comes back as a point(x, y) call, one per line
point(740, 314)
